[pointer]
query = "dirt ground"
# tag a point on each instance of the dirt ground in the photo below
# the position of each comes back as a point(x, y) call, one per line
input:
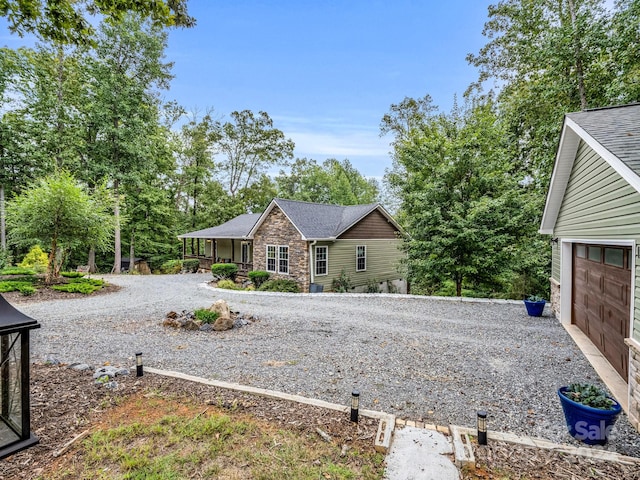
point(65, 403)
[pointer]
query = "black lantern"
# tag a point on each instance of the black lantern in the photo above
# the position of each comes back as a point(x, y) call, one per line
point(15, 417)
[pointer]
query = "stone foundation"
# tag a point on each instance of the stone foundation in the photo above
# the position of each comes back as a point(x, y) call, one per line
point(555, 297)
point(634, 383)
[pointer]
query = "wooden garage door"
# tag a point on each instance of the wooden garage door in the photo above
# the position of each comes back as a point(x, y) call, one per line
point(601, 296)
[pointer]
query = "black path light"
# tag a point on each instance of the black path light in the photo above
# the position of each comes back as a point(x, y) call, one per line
point(482, 427)
point(139, 367)
point(15, 415)
point(355, 404)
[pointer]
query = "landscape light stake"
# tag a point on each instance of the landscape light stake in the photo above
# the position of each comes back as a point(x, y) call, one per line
point(482, 427)
point(355, 403)
point(139, 371)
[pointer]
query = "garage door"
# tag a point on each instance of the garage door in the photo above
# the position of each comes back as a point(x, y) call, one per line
point(601, 296)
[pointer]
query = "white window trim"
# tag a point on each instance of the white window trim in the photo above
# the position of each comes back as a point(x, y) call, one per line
point(278, 260)
point(275, 270)
point(365, 258)
point(326, 261)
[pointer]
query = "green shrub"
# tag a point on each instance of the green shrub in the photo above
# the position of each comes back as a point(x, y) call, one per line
point(83, 287)
point(342, 284)
point(27, 290)
point(206, 316)
point(172, 266)
point(36, 259)
point(14, 285)
point(227, 284)
point(72, 274)
point(96, 282)
point(258, 277)
point(17, 271)
point(372, 286)
point(224, 270)
point(191, 265)
point(5, 258)
point(279, 285)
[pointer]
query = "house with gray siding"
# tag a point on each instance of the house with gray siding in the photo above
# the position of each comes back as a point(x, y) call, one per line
point(592, 214)
point(310, 243)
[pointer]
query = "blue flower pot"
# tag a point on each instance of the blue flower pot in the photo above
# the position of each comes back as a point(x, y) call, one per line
point(535, 309)
point(589, 425)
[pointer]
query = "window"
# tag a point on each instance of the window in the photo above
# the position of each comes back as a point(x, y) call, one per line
point(283, 260)
point(595, 253)
point(614, 256)
point(361, 258)
point(271, 258)
point(321, 261)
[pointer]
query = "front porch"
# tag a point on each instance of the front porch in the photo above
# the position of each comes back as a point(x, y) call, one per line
point(222, 250)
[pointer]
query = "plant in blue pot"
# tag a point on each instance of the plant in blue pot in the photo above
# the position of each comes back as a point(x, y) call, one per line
point(590, 413)
point(535, 305)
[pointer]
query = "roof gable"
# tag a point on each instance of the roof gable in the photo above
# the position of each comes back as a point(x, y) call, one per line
point(318, 221)
point(613, 133)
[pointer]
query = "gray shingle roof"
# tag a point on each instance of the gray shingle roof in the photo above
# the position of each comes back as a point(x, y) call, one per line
point(322, 221)
point(238, 227)
point(617, 129)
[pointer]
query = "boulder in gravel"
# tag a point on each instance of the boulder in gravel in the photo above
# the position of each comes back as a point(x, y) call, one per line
point(191, 325)
point(80, 366)
point(222, 308)
point(223, 323)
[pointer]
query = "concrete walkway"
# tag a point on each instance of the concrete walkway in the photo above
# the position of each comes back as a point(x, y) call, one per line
point(420, 454)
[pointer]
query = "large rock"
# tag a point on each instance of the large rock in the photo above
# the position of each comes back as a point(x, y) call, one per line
point(222, 308)
point(223, 323)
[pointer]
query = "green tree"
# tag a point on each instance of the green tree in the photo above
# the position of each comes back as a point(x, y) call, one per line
point(59, 212)
point(68, 21)
point(461, 208)
point(332, 182)
point(250, 146)
point(547, 57)
point(121, 114)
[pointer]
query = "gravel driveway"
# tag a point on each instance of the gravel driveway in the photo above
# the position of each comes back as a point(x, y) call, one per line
point(419, 358)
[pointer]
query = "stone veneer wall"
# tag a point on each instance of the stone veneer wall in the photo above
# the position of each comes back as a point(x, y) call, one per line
point(278, 230)
point(634, 384)
point(555, 297)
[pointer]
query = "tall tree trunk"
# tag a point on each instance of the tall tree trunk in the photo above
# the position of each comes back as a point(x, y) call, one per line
point(3, 224)
point(117, 241)
point(578, 56)
point(91, 261)
point(132, 254)
point(51, 268)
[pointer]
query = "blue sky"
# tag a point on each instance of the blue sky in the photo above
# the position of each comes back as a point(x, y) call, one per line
point(326, 71)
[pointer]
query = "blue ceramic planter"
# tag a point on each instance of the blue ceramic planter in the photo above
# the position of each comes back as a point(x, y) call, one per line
point(589, 425)
point(534, 309)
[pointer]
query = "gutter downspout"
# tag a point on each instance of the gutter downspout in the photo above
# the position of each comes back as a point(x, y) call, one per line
point(311, 276)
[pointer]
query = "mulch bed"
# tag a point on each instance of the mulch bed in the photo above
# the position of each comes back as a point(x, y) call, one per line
point(66, 402)
point(44, 294)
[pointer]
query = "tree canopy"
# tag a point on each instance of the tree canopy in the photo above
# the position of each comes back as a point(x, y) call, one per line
point(69, 21)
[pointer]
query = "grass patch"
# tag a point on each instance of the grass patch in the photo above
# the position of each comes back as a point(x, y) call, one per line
point(227, 284)
point(17, 271)
point(161, 438)
point(206, 316)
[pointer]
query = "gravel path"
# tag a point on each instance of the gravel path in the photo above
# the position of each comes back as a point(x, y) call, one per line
point(419, 358)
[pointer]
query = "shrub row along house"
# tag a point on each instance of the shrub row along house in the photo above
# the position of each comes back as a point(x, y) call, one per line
point(310, 243)
point(593, 216)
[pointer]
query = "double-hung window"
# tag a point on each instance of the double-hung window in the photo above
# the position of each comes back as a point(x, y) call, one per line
point(283, 259)
point(361, 258)
point(321, 261)
point(271, 258)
